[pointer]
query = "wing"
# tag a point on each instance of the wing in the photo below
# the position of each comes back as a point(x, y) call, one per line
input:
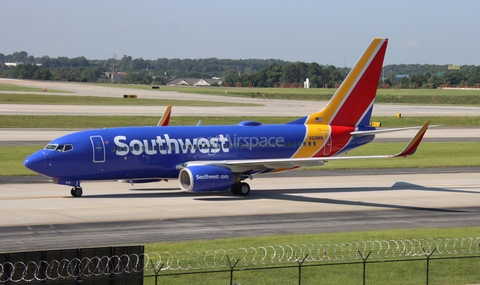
point(244, 165)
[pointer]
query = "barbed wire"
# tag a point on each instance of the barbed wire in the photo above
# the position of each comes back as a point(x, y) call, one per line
point(246, 256)
point(348, 251)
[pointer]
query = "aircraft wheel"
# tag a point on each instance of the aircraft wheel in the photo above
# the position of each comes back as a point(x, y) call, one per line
point(243, 189)
point(234, 189)
point(76, 191)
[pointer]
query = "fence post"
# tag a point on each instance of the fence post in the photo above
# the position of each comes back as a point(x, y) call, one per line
point(231, 268)
point(156, 271)
point(428, 262)
point(78, 267)
point(364, 264)
point(300, 263)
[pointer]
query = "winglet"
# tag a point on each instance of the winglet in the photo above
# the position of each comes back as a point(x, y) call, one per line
point(165, 119)
point(414, 143)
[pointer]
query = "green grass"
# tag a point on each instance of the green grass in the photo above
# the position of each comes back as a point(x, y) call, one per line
point(11, 163)
point(106, 101)
point(87, 122)
point(323, 238)
point(11, 87)
point(429, 154)
point(441, 271)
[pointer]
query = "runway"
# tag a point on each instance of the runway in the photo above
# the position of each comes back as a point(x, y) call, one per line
point(40, 215)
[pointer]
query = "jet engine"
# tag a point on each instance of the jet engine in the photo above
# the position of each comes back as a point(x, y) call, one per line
point(200, 178)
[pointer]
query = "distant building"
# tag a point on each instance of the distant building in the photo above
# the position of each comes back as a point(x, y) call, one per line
point(400, 76)
point(194, 82)
point(13, 63)
point(117, 76)
point(453, 67)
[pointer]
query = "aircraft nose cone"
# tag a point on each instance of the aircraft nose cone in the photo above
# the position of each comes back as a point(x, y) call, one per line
point(35, 162)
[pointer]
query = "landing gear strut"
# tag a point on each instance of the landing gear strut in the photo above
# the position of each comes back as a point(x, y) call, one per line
point(241, 189)
point(76, 191)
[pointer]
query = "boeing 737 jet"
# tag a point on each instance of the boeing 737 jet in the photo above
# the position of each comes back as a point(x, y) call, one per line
point(221, 158)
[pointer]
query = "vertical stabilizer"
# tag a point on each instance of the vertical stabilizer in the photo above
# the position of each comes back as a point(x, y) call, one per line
point(165, 119)
point(352, 104)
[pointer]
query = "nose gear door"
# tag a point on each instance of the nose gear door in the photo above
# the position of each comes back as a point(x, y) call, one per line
point(98, 149)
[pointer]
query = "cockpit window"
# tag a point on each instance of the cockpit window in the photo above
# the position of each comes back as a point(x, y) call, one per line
point(59, 147)
point(51, 146)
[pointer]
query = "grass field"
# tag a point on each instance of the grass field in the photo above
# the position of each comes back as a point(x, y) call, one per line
point(323, 238)
point(106, 101)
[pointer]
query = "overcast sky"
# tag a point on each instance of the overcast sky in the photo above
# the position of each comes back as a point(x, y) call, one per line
point(327, 32)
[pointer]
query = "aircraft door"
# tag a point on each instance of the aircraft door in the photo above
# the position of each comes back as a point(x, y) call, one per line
point(98, 149)
point(327, 147)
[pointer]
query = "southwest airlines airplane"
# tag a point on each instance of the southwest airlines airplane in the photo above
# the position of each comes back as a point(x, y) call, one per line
point(220, 158)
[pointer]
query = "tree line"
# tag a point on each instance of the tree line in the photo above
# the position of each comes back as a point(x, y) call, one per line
point(240, 72)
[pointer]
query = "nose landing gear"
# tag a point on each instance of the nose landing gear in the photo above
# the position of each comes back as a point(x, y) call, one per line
point(76, 191)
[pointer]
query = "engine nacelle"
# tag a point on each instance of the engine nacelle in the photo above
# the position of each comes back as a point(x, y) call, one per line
point(200, 178)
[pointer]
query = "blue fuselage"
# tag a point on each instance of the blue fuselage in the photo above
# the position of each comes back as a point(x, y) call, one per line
point(147, 152)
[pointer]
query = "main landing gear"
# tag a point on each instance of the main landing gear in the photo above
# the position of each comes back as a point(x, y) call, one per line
point(76, 191)
point(241, 189)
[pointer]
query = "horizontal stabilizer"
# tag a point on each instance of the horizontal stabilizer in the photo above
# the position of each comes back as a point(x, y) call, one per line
point(380, 131)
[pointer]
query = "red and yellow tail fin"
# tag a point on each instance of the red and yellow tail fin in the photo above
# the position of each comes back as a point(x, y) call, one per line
point(352, 104)
point(165, 119)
